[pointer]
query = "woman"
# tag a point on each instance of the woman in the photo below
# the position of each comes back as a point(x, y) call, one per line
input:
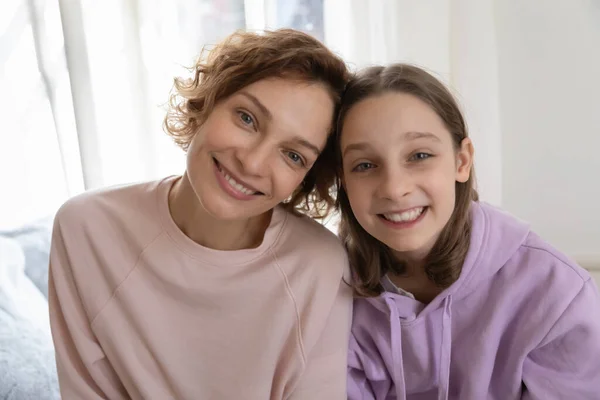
point(211, 285)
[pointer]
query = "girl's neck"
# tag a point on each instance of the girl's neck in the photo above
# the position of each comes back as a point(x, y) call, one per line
point(419, 285)
point(208, 231)
point(414, 279)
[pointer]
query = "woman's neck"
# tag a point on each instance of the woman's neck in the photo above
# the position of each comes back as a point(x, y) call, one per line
point(208, 231)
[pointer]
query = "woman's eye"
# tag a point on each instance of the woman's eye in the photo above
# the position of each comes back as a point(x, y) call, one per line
point(296, 158)
point(246, 118)
point(420, 156)
point(363, 167)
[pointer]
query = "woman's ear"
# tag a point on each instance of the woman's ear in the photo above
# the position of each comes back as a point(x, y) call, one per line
point(464, 160)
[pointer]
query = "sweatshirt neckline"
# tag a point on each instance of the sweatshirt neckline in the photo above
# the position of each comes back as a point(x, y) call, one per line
point(208, 255)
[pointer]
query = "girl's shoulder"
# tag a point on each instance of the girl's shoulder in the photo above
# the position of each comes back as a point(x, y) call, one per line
point(508, 241)
point(540, 248)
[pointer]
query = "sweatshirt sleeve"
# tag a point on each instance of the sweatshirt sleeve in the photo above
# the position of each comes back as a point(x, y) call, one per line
point(567, 362)
point(325, 374)
point(83, 370)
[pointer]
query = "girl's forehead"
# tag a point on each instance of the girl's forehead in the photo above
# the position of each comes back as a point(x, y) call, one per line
point(389, 107)
point(393, 117)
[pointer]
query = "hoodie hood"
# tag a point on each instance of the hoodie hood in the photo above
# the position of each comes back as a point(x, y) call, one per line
point(495, 237)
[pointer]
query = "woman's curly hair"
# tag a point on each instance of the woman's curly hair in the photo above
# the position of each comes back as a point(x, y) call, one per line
point(244, 58)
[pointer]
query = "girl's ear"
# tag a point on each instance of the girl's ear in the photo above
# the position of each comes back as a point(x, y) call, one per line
point(464, 160)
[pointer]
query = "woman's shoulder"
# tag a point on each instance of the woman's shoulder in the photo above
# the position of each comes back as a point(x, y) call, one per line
point(308, 240)
point(311, 235)
point(124, 215)
point(129, 201)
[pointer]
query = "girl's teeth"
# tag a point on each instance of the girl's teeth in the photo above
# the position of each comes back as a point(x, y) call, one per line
point(237, 186)
point(406, 216)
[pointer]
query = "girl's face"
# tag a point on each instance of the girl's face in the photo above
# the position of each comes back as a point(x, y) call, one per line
point(400, 168)
point(256, 146)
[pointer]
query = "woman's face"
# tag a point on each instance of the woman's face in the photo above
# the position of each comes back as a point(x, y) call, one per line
point(257, 145)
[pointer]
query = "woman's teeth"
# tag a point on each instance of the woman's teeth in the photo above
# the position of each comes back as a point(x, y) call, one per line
point(406, 216)
point(237, 186)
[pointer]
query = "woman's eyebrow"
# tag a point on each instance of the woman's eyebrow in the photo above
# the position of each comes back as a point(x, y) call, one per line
point(305, 143)
point(263, 109)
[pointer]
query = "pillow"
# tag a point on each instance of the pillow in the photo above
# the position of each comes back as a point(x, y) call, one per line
point(18, 295)
point(34, 238)
point(27, 363)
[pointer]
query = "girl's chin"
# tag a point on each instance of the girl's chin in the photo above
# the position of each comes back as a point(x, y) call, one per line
point(410, 250)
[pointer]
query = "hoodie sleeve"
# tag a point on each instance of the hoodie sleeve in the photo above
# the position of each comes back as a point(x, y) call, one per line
point(358, 385)
point(83, 370)
point(567, 362)
point(362, 384)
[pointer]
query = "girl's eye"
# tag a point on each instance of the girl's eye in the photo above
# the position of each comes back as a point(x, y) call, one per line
point(296, 158)
point(246, 118)
point(362, 167)
point(420, 156)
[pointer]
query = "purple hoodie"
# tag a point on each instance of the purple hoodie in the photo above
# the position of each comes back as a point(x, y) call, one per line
point(521, 322)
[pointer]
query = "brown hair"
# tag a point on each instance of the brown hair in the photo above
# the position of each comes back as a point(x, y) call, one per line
point(369, 258)
point(244, 58)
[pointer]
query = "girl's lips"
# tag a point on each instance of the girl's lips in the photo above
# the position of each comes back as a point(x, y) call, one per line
point(413, 217)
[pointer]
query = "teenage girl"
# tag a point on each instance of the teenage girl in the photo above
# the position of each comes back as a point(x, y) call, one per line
point(458, 299)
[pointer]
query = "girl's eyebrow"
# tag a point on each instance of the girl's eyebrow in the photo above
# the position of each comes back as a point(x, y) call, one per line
point(407, 136)
point(356, 147)
point(414, 135)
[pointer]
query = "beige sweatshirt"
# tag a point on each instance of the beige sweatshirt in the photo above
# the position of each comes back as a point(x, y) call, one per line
point(140, 311)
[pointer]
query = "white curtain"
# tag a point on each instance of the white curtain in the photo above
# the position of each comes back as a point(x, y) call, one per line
point(125, 54)
point(39, 167)
point(454, 39)
point(87, 80)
